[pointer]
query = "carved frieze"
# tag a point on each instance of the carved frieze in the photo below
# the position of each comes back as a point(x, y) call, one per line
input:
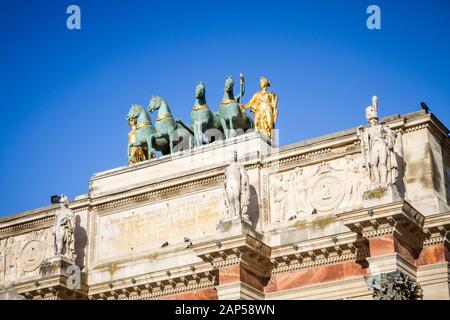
point(32, 255)
point(324, 188)
point(21, 256)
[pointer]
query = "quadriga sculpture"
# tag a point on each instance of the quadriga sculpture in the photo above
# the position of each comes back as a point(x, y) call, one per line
point(206, 124)
point(169, 131)
point(232, 116)
point(141, 138)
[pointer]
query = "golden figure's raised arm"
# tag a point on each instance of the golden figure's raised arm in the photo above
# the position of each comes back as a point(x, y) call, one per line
point(252, 103)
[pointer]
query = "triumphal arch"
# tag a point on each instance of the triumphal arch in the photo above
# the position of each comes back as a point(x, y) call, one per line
point(358, 214)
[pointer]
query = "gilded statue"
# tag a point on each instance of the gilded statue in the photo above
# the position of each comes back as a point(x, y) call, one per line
point(263, 104)
point(135, 153)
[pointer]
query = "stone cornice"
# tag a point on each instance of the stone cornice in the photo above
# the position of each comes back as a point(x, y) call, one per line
point(27, 223)
point(433, 266)
point(319, 252)
point(191, 183)
point(437, 228)
point(52, 284)
point(156, 284)
point(264, 261)
point(398, 219)
point(252, 254)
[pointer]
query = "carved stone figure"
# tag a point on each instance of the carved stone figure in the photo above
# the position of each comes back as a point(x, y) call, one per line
point(300, 187)
point(236, 189)
point(64, 231)
point(2, 260)
point(231, 113)
point(263, 104)
point(170, 132)
point(395, 286)
point(11, 259)
point(202, 118)
point(377, 145)
point(354, 186)
point(279, 189)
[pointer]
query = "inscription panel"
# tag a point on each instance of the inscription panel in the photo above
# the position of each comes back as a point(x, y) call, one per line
point(148, 227)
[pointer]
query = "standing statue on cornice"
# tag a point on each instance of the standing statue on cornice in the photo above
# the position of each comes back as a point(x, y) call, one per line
point(64, 230)
point(236, 189)
point(263, 104)
point(377, 146)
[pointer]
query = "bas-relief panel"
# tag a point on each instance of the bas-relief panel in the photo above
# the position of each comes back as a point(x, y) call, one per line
point(21, 256)
point(149, 227)
point(328, 187)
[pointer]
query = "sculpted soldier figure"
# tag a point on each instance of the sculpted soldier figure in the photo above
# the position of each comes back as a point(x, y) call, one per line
point(236, 189)
point(63, 230)
point(377, 145)
point(263, 104)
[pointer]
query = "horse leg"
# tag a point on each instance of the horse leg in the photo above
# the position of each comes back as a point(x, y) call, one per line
point(191, 140)
point(203, 129)
point(170, 134)
point(198, 134)
point(130, 160)
point(224, 127)
point(232, 131)
point(151, 152)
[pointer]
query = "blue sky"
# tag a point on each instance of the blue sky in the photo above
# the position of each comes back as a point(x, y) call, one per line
point(64, 94)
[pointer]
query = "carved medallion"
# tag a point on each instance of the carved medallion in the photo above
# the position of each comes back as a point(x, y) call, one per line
point(326, 193)
point(32, 255)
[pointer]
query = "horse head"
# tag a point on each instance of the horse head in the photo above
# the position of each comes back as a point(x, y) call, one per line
point(134, 111)
point(200, 90)
point(158, 103)
point(155, 104)
point(229, 84)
